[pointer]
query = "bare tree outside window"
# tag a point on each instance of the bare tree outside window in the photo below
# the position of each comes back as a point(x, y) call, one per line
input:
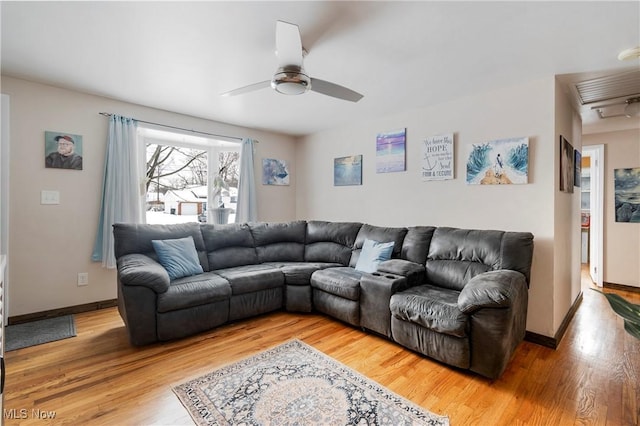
point(171, 167)
point(228, 167)
point(177, 181)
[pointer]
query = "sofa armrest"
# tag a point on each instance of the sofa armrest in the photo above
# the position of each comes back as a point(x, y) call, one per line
point(493, 289)
point(415, 273)
point(140, 270)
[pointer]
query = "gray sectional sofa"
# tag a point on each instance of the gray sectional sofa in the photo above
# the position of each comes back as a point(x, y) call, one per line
point(456, 295)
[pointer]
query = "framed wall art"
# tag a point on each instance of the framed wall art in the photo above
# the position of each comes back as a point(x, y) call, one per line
point(567, 165)
point(627, 194)
point(499, 162)
point(577, 161)
point(62, 150)
point(274, 172)
point(347, 170)
point(390, 151)
point(437, 158)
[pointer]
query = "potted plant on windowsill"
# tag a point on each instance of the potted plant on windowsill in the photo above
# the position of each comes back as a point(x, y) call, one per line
point(220, 213)
point(629, 312)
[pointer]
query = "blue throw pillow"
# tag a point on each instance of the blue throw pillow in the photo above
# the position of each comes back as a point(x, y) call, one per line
point(372, 254)
point(179, 257)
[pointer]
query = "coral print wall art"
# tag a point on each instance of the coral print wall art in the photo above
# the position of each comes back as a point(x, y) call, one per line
point(62, 151)
point(274, 172)
point(499, 162)
point(627, 185)
point(390, 151)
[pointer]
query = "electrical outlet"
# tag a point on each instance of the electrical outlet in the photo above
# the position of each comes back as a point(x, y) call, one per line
point(83, 278)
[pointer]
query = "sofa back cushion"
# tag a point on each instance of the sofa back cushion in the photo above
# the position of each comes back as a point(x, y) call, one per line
point(457, 255)
point(517, 252)
point(229, 245)
point(136, 238)
point(379, 234)
point(415, 246)
point(279, 242)
point(330, 242)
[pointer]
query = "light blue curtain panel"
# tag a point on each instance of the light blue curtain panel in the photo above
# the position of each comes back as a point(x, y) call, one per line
point(247, 208)
point(121, 187)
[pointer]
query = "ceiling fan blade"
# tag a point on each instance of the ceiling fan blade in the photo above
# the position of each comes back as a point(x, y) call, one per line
point(288, 44)
point(334, 90)
point(249, 88)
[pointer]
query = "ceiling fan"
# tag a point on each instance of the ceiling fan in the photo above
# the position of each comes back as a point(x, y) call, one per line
point(290, 77)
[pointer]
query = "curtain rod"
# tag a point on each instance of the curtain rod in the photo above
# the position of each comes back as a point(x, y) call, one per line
point(108, 114)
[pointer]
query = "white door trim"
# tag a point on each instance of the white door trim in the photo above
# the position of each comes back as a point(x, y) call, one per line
point(596, 239)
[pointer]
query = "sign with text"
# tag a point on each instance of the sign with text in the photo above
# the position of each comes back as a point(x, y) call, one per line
point(437, 158)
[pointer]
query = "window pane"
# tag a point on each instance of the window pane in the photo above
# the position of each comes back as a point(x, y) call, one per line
point(228, 172)
point(176, 184)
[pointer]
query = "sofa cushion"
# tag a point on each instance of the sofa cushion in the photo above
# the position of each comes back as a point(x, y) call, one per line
point(299, 273)
point(430, 307)
point(330, 241)
point(194, 291)
point(229, 245)
point(380, 234)
point(343, 281)
point(415, 245)
point(178, 257)
point(252, 278)
point(279, 241)
point(457, 255)
point(372, 253)
point(136, 238)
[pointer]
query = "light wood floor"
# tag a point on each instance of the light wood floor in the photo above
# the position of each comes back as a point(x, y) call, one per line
point(98, 378)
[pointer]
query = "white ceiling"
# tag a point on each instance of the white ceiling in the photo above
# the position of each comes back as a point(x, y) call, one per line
point(181, 56)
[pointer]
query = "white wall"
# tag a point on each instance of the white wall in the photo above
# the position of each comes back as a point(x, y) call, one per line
point(402, 199)
point(621, 240)
point(567, 262)
point(50, 244)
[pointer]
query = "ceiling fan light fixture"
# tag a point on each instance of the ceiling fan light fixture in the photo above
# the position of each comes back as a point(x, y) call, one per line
point(632, 53)
point(633, 107)
point(291, 82)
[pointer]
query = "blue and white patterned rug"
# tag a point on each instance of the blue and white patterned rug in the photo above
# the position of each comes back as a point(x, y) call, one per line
point(294, 384)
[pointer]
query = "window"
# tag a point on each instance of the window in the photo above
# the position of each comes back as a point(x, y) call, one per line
point(179, 186)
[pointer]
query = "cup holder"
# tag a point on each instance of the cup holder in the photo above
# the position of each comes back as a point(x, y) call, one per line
point(382, 275)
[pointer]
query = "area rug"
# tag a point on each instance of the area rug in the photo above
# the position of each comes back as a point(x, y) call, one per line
point(38, 332)
point(295, 384)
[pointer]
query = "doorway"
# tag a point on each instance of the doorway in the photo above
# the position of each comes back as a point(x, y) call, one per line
point(592, 207)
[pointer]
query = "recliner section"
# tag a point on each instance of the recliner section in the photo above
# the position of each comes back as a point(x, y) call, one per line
point(458, 296)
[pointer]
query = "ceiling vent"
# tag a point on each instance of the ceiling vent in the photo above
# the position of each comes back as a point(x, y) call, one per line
point(611, 96)
point(608, 88)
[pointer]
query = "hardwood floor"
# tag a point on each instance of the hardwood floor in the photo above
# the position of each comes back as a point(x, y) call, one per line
point(97, 378)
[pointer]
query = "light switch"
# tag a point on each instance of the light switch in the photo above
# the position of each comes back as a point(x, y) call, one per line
point(49, 197)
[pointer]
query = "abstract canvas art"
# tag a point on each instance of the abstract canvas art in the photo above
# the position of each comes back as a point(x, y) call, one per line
point(390, 151)
point(274, 172)
point(499, 162)
point(347, 170)
point(627, 194)
point(566, 165)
